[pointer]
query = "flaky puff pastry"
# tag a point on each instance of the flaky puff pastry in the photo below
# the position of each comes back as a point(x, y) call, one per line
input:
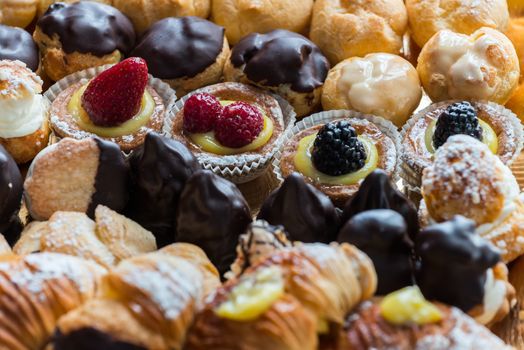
point(36, 290)
point(482, 66)
point(428, 17)
point(143, 13)
point(17, 13)
point(344, 29)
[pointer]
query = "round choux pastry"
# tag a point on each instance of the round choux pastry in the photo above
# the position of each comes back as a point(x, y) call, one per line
point(379, 83)
point(482, 66)
point(143, 13)
point(515, 33)
point(516, 102)
point(243, 17)
point(43, 5)
point(428, 17)
point(344, 29)
point(516, 7)
point(17, 13)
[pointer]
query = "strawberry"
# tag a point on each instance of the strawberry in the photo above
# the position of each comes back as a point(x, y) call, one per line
point(115, 95)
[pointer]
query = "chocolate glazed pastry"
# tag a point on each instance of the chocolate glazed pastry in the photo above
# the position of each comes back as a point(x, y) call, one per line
point(159, 171)
point(453, 255)
point(377, 192)
point(88, 27)
point(17, 44)
point(382, 235)
point(212, 214)
point(307, 214)
point(89, 339)
point(11, 188)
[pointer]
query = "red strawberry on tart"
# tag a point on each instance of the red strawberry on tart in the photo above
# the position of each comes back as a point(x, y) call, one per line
point(118, 105)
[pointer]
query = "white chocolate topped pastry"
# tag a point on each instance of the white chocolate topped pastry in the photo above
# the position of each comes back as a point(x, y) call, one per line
point(380, 83)
point(483, 65)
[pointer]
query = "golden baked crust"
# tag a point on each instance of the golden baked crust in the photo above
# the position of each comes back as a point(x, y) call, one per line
point(344, 29)
point(143, 13)
point(339, 194)
point(515, 33)
point(243, 17)
point(516, 102)
point(4, 246)
point(23, 149)
point(427, 17)
point(44, 4)
point(17, 13)
point(64, 124)
point(516, 7)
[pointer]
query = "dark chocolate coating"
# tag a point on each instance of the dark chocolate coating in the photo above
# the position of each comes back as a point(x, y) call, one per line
point(382, 235)
point(159, 171)
point(11, 189)
point(111, 179)
point(88, 27)
point(377, 192)
point(90, 339)
point(179, 47)
point(212, 214)
point(453, 263)
point(281, 57)
point(307, 214)
point(17, 44)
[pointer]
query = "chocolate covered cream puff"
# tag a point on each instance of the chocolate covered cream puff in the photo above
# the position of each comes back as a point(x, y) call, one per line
point(43, 5)
point(243, 17)
point(381, 84)
point(283, 62)
point(17, 44)
point(61, 35)
point(24, 128)
point(344, 29)
point(482, 65)
point(185, 52)
point(11, 189)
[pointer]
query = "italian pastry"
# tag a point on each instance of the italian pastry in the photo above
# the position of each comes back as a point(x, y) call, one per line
point(482, 65)
point(18, 45)
point(74, 175)
point(283, 301)
point(515, 33)
point(185, 52)
point(144, 14)
point(18, 13)
point(147, 302)
point(106, 240)
point(379, 83)
point(345, 29)
point(43, 5)
point(243, 17)
point(24, 128)
point(282, 62)
point(405, 320)
point(306, 214)
point(119, 105)
point(426, 18)
point(430, 128)
point(467, 179)
point(516, 7)
point(11, 189)
point(39, 289)
point(160, 168)
point(516, 102)
point(335, 156)
point(452, 254)
point(60, 34)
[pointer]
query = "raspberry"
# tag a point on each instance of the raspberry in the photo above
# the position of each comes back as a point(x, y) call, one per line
point(201, 112)
point(458, 118)
point(238, 125)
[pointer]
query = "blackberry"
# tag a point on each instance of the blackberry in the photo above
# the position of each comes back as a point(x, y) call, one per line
point(337, 150)
point(458, 118)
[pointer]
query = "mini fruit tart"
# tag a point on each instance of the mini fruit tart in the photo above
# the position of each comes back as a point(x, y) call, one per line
point(336, 150)
point(233, 129)
point(121, 104)
point(430, 128)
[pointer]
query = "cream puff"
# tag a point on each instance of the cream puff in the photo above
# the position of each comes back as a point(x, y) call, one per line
point(379, 83)
point(516, 7)
point(483, 65)
point(344, 29)
point(243, 17)
point(17, 44)
point(282, 62)
point(11, 189)
point(515, 33)
point(43, 5)
point(18, 13)
point(516, 102)
point(428, 17)
point(24, 129)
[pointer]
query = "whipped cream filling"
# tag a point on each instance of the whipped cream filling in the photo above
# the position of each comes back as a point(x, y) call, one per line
point(21, 116)
point(494, 296)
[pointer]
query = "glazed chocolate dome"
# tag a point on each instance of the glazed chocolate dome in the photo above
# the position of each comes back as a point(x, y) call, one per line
point(281, 57)
point(179, 47)
point(17, 44)
point(11, 189)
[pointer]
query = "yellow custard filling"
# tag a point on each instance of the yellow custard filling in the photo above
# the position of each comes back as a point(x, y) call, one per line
point(129, 127)
point(304, 164)
point(208, 142)
point(408, 306)
point(489, 137)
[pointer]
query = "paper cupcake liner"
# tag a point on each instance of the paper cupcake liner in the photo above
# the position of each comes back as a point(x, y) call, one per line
point(321, 118)
point(236, 168)
point(518, 170)
point(411, 173)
